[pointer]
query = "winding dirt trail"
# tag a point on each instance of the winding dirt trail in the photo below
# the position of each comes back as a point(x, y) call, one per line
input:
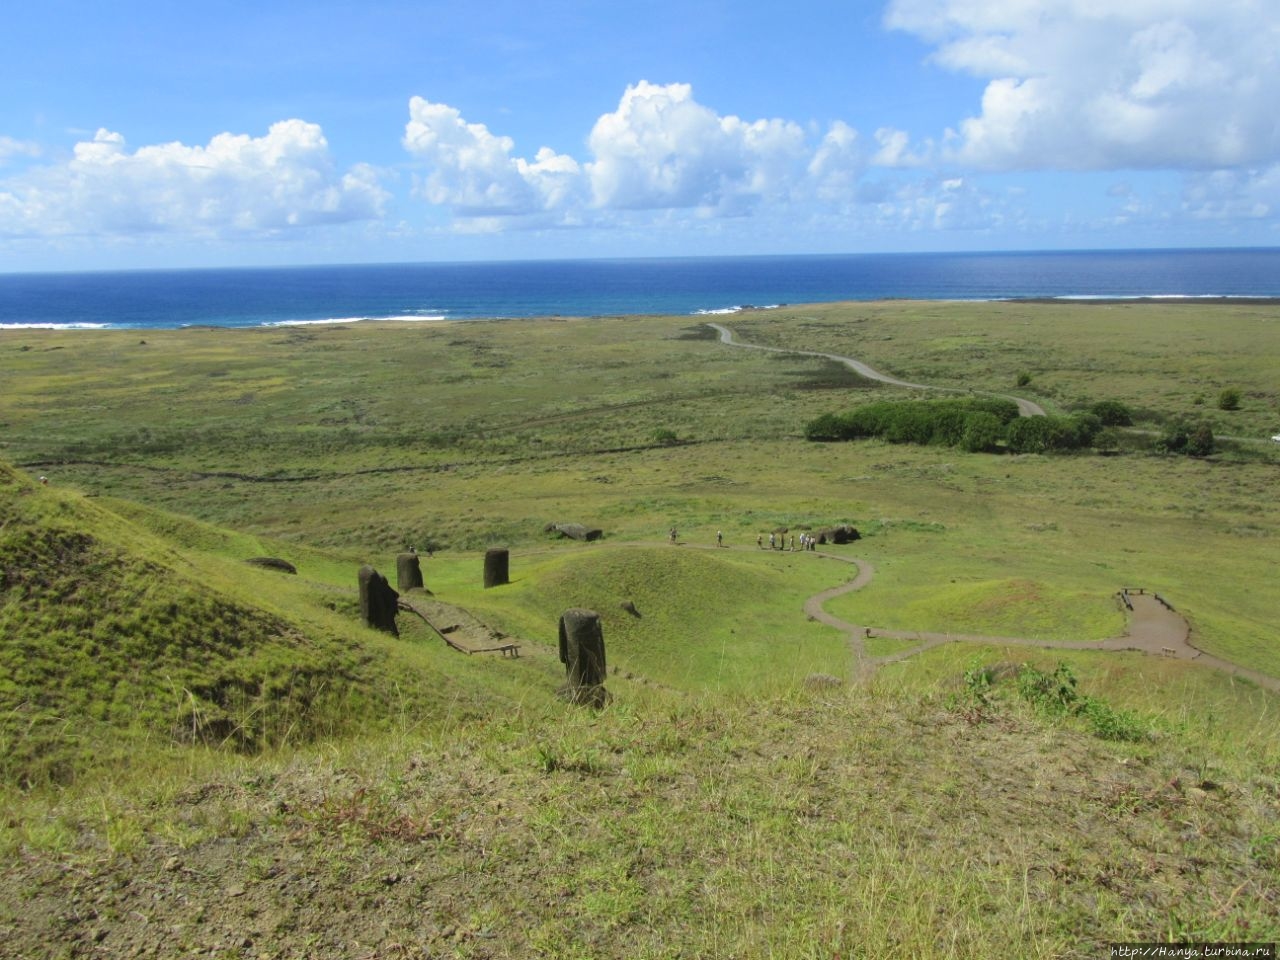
point(1025, 407)
point(1154, 628)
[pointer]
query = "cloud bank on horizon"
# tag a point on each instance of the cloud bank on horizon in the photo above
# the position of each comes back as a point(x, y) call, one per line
point(1113, 119)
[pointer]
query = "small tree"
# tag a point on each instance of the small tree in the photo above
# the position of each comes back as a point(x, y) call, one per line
point(826, 427)
point(1112, 413)
point(982, 432)
point(1087, 426)
point(1107, 441)
point(1200, 441)
point(1174, 439)
point(1030, 435)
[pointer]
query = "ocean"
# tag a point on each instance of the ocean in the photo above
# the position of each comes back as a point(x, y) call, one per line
point(250, 297)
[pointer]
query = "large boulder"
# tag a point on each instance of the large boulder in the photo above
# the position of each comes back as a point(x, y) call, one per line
point(575, 531)
point(839, 534)
point(273, 563)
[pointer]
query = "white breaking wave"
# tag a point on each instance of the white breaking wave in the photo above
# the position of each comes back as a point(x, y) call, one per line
point(724, 311)
point(56, 326)
point(410, 318)
point(1156, 296)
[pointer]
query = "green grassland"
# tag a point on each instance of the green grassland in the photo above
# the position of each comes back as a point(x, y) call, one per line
point(202, 756)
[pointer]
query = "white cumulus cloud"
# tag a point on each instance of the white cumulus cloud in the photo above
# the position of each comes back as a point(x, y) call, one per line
point(474, 172)
point(235, 185)
point(1099, 84)
point(660, 150)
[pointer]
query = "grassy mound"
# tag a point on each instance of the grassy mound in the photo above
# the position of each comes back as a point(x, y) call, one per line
point(704, 619)
point(109, 642)
point(1018, 607)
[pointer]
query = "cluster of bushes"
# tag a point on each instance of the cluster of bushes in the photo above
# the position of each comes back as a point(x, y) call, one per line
point(975, 425)
point(989, 425)
point(1194, 441)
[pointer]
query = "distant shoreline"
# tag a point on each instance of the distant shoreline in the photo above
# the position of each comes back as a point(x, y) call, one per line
point(1081, 301)
point(683, 287)
point(1176, 299)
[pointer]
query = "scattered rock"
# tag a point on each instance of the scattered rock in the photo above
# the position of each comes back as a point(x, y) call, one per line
point(818, 681)
point(273, 563)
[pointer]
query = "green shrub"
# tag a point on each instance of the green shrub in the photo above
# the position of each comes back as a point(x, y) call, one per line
point(1108, 723)
point(1200, 442)
point(1052, 692)
point(1055, 694)
point(983, 433)
point(1112, 413)
point(1229, 399)
point(1174, 439)
point(1195, 441)
point(1023, 379)
point(1029, 435)
point(1087, 426)
point(824, 429)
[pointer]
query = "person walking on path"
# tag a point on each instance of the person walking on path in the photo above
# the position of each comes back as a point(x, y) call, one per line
point(719, 538)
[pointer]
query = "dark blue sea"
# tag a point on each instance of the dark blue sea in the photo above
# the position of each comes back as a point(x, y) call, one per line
point(470, 291)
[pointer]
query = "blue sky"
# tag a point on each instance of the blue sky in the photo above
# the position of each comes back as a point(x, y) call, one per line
point(147, 134)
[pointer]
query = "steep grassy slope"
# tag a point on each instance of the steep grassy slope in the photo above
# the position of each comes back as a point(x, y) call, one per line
point(109, 641)
point(115, 642)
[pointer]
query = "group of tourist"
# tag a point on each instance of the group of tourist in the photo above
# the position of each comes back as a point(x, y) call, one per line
point(779, 542)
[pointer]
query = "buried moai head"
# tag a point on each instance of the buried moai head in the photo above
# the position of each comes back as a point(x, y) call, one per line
point(409, 572)
point(582, 653)
point(377, 601)
point(497, 567)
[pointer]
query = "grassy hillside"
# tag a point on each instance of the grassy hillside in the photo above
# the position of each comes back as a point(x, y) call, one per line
point(202, 757)
point(118, 642)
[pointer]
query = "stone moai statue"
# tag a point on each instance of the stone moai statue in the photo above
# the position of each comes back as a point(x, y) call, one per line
point(497, 563)
point(408, 572)
point(582, 653)
point(377, 601)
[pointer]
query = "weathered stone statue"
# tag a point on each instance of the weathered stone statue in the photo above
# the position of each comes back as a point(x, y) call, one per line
point(497, 562)
point(377, 601)
point(408, 572)
point(582, 653)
